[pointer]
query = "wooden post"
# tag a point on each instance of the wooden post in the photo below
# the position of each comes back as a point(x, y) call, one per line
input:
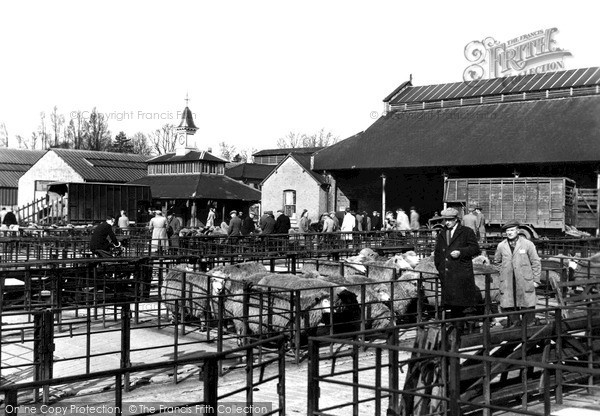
point(392, 341)
point(11, 403)
point(454, 375)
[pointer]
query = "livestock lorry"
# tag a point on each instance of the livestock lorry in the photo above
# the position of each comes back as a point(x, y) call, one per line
point(545, 206)
point(86, 203)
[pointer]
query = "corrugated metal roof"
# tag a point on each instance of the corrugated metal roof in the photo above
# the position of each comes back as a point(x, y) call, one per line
point(188, 157)
point(20, 156)
point(509, 85)
point(540, 131)
point(104, 166)
point(199, 186)
point(286, 151)
point(14, 163)
point(10, 178)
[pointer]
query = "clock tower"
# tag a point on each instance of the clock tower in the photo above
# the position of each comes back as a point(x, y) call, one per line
point(185, 131)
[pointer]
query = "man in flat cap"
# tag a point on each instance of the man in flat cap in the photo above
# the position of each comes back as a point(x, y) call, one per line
point(520, 270)
point(455, 248)
point(235, 225)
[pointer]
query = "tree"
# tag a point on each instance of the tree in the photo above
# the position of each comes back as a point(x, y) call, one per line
point(227, 151)
point(122, 144)
point(98, 134)
point(56, 123)
point(140, 146)
point(21, 142)
point(76, 131)
point(291, 140)
point(246, 154)
point(163, 139)
point(318, 139)
point(3, 135)
point(35, 138)
point(42, 133)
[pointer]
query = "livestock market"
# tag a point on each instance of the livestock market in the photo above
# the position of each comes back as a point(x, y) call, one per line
point(331, 280)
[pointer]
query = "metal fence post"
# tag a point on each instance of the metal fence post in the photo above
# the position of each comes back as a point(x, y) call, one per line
point(125, 342)
point(313, 377)
point(393, 379)
point(281, 380)
point(211, 382)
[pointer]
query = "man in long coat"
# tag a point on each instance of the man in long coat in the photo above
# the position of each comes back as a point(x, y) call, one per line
point(282, 223)
point(520, 271)
point(455, 248)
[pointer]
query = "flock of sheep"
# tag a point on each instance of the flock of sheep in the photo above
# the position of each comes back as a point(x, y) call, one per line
point(277, 302)
point(363, 292)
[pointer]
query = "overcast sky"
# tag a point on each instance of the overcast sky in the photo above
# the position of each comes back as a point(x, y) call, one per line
point(254, 70)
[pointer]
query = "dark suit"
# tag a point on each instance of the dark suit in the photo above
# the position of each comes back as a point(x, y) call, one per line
point(456, 275)
point(282, 224)
point(100, 236)
point(248, 226)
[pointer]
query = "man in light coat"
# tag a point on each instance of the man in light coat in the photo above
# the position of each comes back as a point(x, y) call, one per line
point(470, 220)
point(520, 270)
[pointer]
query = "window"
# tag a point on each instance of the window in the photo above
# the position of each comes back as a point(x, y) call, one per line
point(289, 202)
point(205, 168)
point(42, 185)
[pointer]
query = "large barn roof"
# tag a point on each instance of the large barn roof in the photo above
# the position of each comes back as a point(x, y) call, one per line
point(540, 118)
point(541, 131)
point(14, 163)
point(104, 166)
point(198, 186)
point(573, 78)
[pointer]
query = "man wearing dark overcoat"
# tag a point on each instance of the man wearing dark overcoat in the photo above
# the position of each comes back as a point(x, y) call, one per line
point(455, 248)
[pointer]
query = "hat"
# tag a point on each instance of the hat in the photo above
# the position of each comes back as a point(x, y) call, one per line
point(158, 211)
point(511, 224)
point(269, 212)
point(449, 213)
point(233, 212)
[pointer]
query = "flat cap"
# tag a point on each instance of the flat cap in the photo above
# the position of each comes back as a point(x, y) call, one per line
point(449, 213)
point(511, 224)
point(233, 212)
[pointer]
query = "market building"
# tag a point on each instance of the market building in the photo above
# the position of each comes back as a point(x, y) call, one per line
point(69, 165)
point(293, 186)
point(191, 181)
point(13, 164)
point(541, 125)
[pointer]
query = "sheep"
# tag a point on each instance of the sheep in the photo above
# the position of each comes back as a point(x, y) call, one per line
point(324, 267)
point(202, 288)
point(237, 271)
point(197, 290)
point(377, 313)
point(314, 298)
